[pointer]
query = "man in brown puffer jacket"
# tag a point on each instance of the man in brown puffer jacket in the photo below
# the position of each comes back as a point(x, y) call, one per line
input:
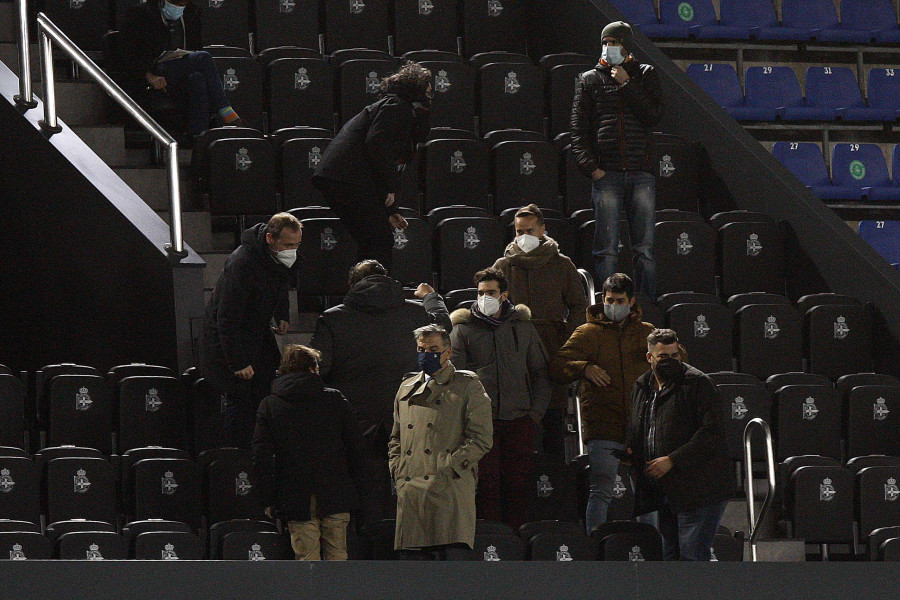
point(608, 354)
point(547, 281)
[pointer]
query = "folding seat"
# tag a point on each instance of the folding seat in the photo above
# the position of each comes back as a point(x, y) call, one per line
point(774, 90)
point(167, 488)
point(863, 166)
point(889, 550)
point(91, 545)
point(453, 104)
point(12, 411)
point(682, 19)
point(627, 541)
point(226, 22)
point(219, 531)
point(561, 547)
point(677, 182)
point(884, 95)
point(499, 56)
point(805, 161)
point(846, 383)
point(785, 470)
point(532, 528)
point(242, 79)
point(242, 177)
point(412, 253)
point(299, 91)
point(576, 187)
point(436, 215)
point(858, 463)
point(378, 540)
point(560, 87)
point(705, 330)
point(838, 88)
point(83, 21)
point(877, 499)
point(681, 216)
point(642, 15)
point(286, 22)
point(298, 132)
point(493, 25)
point(747, 18)
point(873, 420)
point(152, 412)
point(808, 301)
point(421, 56)
point(818, 20)
point(463, 245)
point(882, 236)
point(768, 339)
point(228, 486)
point(751, 257)
point(685, 259)
point(826, 91)
point(339, 57)
point(625, 262)
point(261, 545)
point(359, 84)
point(549, 61)
point(727, 548)
point(880, 536)
point(820, 499)
point(80, 412)
point(7, 525)
point(45, 375)
point(720, 82)
point(328, 252)
point(525, 172)
point(269, 55)
point(167, 545)
point(120, 372)
point(807, 421)
point(200, 154)
point(20, 499)
point(741, 403)
point(667, 301)
point(298, 160)
point(512, 96)
point(497, 136)
point(131, 531)
point(495, 547)
point(356, 24)
point(779, 380)
point(420, 24)
point(738, 301)
point(455, 171)
point(24, 545)
point(720, 219)
point(875, 17)
point(553, 495)
point(838, 339)
point(207, 417)
point(81, 488)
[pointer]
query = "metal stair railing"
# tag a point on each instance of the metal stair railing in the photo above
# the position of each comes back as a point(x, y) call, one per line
point(748, 481)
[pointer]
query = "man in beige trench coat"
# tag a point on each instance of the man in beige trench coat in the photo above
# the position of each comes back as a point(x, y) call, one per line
point(442, 427)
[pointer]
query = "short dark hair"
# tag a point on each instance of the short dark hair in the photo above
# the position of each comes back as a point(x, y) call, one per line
point(365, 268)
point(532, 210)
point(492, 274)
point(299, 359)
point(410, 82)
point(619, 283)
point(662, 336)
point(432, 329)
point(282, 221)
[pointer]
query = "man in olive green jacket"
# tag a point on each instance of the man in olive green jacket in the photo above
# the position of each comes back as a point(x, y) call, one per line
point(442, 427)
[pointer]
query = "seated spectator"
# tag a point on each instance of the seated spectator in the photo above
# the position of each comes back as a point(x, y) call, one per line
point(308, 458)
point(159, 40)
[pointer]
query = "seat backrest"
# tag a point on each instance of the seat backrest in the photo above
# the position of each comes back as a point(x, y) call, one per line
point(859, 165)
point(81, 411)
point(284, 22)
point(19, 489)
point(299, 91)
point(873, 420)
point(120, 372)
point(631, 546)
point(412, 253)
point(268, 55)
point(719, 81)
point(883, 236)
point(167, 545)
point(83, 21)
point(260, 545)
point(705, 330)
point(561, 547)
point(847, 382)
point(242, 79)
point(878, 537)
point(453, 104)
point(689, 14)
point(682, 216)
point(738, 301)
point(884, 89)
point(561, 90)
point(822, 503)
point(677, 180)
point(838, 340)
point(804, 303)
point(359, 84)
point(15, 525)
point(752, 258)
point(463, 242)
point(81, 488)
point(328, 252)
point(130, 531)
point(299, 159)
point(768, 339)
point(357, 24)
point(548, 61)
point(720, 219)
point(431, 55)
point(230, 490)
point(553, 490)
point(833, 87)
point(226, 22)
point(779, 380)
point(25, 545)
point(455, 171)
point(494, 547)
point(218, 532)
point(748, 13)
point(804, 160)
point(242, 177)
point(867, 15)
point(425, 25)
point(533, 528)
point(858, 463)
point(492, 138)
point(91, 545)
point(685, 253)
point(525, 172)
point(889, 550)
point(638, 12)
point(731, 377)
point(741, 403)
point(772, 87)
point(12, 410)
point(152, 411)
point(167, 488)
point(512, 96)
point(807, 421)
point(200, 154)
point(877, 498)
point(493, 25)
point(809, 14)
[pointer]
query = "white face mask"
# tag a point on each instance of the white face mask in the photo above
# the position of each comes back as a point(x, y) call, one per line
point(616, 312)
point(613, 55)
point(488, 305)
point(527, 242)
point(287, 257)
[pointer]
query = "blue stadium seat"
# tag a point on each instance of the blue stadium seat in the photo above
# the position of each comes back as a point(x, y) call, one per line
point(883, 236)
point(776, 88)
point(829, 92)
point(721, 83)
point(757, 16)
point(819, 20)
point(863, 166)
point(805, 161)
point(680, 19)
point(875, 18)
point(884, 93)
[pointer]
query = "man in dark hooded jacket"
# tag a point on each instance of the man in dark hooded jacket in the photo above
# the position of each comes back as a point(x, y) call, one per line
point(238, 351)
point(366, 354)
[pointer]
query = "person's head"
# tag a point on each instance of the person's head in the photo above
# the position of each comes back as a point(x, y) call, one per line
point(530, 228)
point(363, 269)
point(412, 82)
point(618, 296)
point(433, 347)
point(616, 39)
point(492, 290)
point(299, 359)
point(283, 235)
point(664, 353)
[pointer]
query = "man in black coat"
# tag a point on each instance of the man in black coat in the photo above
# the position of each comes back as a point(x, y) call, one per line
point(366, 354)
point(359, 174)
point(677, 445)
point(615, 106)
point(238, 351)
point(308, 458)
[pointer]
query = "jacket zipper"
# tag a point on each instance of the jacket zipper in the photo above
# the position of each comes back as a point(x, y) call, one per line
point(622, 133)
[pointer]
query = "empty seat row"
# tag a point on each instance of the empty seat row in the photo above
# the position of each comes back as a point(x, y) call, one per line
point(773, 92)
point(858, 171)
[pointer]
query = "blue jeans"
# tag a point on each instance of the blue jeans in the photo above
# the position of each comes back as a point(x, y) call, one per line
point(632, 195)
point(689, 535)
point(195, 78)
point(603, 469)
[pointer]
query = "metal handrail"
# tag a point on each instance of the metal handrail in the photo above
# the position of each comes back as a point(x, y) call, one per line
point(588, 282)
point(50, 34)
point(748, 480)
point(25, 98)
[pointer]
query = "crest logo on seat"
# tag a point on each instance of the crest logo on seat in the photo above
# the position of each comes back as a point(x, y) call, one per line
point(255, 553)
point(286, 6)
point(76, 4)
point(701, 328)
point(168, 552)
point(152, 401)
point(562, 555)
point(357, 7)
point(6, 481)
point(683, 245)
point(16, 553)
point(738, 409)
point(754, 247)
point(809, 409)
point(314, 157)
point(373, 83)
point(491, 554)
point(841, 330)
point(544, 487)
point(169, 485)
point(83, 400)
point(400, 239)
point(511, 83)
point(826, 490)
point(470, 238)
point(93, 552)
point(635, 555)
point(426, 7)
point(666, 166)
point(81, 483)
point(230, 81)
point(457, 162)
point(242, 485)
point(442, 82)
point(771, 328)
point(891, 491)
point(216, 3)
point(495, 8)
point(619, 488)
point(527, 164)
point(242, 160)
point(301, 79)
point(880, 410)
point(329, 241)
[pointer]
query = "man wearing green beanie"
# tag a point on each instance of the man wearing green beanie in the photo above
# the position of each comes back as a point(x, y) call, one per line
point(616, 104)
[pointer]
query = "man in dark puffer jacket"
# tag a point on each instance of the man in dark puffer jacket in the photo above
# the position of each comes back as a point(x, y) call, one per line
point(615, 106)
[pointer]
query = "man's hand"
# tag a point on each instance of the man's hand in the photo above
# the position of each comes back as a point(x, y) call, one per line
point(423, 290)
point(283, 328)
point(658, 467)
point(389, 201)
point(597, 174)
point(397, 221)
point(245, 373)
point(157, 82)
point(620, 74)
point(270, 512)
point(597, 376)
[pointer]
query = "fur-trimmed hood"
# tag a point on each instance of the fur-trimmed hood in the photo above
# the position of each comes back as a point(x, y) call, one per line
point(464, 315)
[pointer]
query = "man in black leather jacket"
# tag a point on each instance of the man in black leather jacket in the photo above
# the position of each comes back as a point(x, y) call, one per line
point(616, 104)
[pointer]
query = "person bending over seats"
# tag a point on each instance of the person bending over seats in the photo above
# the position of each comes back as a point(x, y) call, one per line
point(359, 174)
point(159, 40)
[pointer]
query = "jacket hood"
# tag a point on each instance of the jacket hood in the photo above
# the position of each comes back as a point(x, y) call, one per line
point(595, 314)
point(538, 257)
point(298, 387)
point(374, 294)
point(255, 239)
point(464, 315)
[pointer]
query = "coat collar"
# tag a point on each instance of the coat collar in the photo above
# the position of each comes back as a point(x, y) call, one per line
point(418, 386)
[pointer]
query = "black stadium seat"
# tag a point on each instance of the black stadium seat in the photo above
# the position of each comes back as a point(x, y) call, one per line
point(889, 550)
point(512, 96)
point(356, 24)
point(120, 372)
point(131, 457)
point(360, 84)
point(807, 421)
point(299, 91)
point(464, 245)
point(152, 412)
point(741, 403)
point(878, 537)
point(241, 177)
point(56, 530)
point(328, 252)
point(877, 499)
point(412, 253)
point(219, 531)
point(495, 547)
point(83, 21)
point(259, 545)
point(561, 547)
point(270, 55)
point(768, 339)
point(167, 488)
point(751, 257)
point(685, 257)
point(455, 171)
point(453, 104)
point(14, 525)
point(779, 380)
point(675, 163)
point(24, 545)
point(229, 490)
point(225, 22)
point(167, 545)
point(12, 410)
point(131, 531)
point(553, 490)
point(705, 330)
point(627, 541)
point(848, 382)
point(81, 412)
point(873, 420)
point(493, 25)
point(561, 91)
point(286, 22)
point(242, 79)
point(298, 160)
point(525, 172)
point(621, 505)
point(667, 301)
point(838, 339)
point(423, 24)
point(821, 502)
point(20, 497)
point(91, 545)
point(81, 488)
point(207, 417)
point(200, 154)
point(586, 261)
point(738, 301)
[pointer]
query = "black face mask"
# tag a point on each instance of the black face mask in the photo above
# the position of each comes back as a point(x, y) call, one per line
point(669, 369)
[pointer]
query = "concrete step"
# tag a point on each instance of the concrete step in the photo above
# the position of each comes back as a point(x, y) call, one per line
point(143, 157)
point(196, 229)
point(9, 54)
point(9, 22)
point(107, 141)
point(152, 184)
point(78, 102)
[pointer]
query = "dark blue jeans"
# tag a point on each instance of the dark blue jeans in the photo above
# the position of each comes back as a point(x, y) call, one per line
point(630, 195)
point(194, 78)
point(689, 535)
